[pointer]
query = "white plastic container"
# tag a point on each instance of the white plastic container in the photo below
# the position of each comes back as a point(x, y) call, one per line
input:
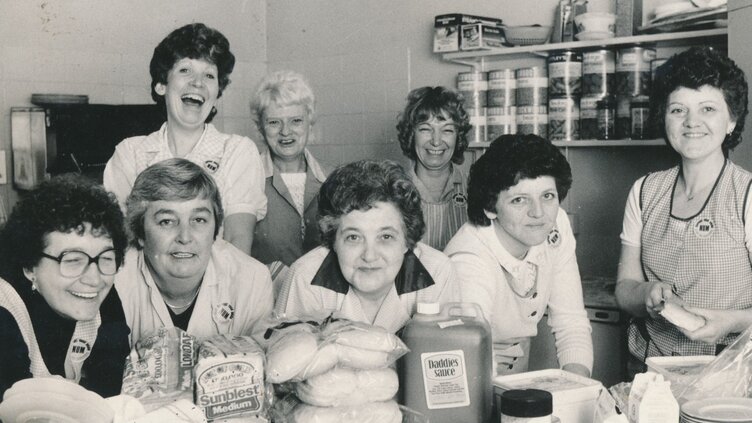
point(574, 395)
point(679, 370)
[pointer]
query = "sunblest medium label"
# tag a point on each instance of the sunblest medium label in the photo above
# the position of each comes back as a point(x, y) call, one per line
point(445, 379)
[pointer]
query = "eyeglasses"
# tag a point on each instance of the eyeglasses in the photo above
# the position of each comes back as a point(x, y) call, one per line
point(274, 125)
point(74, 263)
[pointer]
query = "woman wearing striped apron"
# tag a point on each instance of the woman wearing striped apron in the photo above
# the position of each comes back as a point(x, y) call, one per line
point(432, 131)
point(686, 237)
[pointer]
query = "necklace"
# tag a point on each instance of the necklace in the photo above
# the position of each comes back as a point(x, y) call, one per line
point(174, 307)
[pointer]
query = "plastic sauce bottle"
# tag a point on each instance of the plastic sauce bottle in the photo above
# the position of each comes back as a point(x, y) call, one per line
point(527, 406)
point(447, 373)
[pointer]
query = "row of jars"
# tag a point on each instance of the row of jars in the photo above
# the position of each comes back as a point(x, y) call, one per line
point(573, 89)
point(566, 119)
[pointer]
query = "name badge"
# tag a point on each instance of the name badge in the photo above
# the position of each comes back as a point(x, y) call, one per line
point(459, 199)
point(211, 165)
point(554, 238)
point(79, 350)
point(703, 228)
point(224, 312)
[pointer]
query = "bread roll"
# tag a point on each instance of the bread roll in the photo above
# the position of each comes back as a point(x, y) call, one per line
point(289, 352)
point(373, 412)
point(343, 386)
point(682, 318)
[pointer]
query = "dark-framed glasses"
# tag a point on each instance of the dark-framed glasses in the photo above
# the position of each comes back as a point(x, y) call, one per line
point(74, 263)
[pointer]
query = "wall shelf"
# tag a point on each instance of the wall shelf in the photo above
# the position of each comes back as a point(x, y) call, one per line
point(591, 143)
point(477, 58)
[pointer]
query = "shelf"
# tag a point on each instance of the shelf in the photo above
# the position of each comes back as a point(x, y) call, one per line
point(477, 57)
point(591, 143)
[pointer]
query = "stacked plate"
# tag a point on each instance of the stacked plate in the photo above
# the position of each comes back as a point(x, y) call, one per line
point(717, 410)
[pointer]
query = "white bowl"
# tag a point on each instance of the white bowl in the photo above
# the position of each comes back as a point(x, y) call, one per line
point(595, 22)
point(594, 35)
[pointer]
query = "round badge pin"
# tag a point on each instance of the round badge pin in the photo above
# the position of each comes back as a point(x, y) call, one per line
point(211, 165)
point(703, 228)
point(554, 238)
point(224, 312)
point(79, 349)
point(460, 199)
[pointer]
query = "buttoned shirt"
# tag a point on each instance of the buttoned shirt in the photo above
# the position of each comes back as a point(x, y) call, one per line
point(315, 288)
point(443, 217)
point(515, 293)
point(234, 297)
point(232, 160)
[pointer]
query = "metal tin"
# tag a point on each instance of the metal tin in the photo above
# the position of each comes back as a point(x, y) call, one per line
point(501, 121)
point(532, 120)
point(474, 87)
point(502, 87)
point(563, 119)
point(598, 72)
point(477, 117)
point(633, 71)
point(532, 86)
point(564, 73)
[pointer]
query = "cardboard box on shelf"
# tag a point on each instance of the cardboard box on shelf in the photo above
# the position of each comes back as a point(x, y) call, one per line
point(447, 30)
point(480, 36)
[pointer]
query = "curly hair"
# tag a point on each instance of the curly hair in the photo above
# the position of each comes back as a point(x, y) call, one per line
point(170, 180)
point(194, 41)
point(360, 185)
point(422, 104)
point(283, 88)
point(693, 69)
point(509, 159)
point(64, 204)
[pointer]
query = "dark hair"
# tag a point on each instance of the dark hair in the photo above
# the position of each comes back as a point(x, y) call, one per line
point(170, 180)
point(422, 103)
point(693, 69)
point(360, 185)
point(194, 41)
point(509, 159)
point(62, 204)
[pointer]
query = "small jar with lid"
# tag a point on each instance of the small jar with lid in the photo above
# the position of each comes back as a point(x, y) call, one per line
point(639, 112)
point(606, 118)
point(527, 406)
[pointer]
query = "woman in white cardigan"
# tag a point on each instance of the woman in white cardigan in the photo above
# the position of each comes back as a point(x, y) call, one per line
point(516, 256)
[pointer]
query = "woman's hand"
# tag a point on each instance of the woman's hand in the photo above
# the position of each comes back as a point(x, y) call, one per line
point(655, 296)
point(718, 323)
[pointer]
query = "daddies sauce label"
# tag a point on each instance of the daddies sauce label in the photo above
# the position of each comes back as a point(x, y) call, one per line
point(445, 379)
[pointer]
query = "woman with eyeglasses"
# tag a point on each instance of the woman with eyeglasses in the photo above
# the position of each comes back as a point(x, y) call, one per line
point(283, 110)
point(59, 252)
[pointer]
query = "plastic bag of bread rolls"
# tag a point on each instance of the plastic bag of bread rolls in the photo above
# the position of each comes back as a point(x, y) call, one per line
point(343, 386)
point(297, 351)
point(372, 412)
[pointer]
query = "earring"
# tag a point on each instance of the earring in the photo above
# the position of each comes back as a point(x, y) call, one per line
point(214, 110)
point(33, 285)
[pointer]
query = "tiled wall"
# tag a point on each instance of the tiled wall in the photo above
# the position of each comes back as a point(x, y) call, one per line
point(102, 48)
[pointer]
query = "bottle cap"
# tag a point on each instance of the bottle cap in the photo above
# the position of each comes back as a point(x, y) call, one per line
point(429, 308)
point(526, 403)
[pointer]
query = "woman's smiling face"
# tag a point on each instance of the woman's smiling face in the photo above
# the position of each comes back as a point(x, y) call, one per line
point(697, 121)
point(435, 141)
point(191, 92)
point(76, 298)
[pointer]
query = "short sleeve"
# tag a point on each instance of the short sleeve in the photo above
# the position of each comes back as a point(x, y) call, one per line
point(631, 233)
point(120, 173)
point(244, 188)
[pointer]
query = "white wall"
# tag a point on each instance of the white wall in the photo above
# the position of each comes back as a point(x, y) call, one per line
point(102, 48)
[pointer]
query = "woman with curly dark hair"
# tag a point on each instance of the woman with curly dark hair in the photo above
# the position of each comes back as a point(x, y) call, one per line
point(686, 238)
point(190, 69)
point(59, 252)
point(371, 267)
point(432, 132)
point(516, 256)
